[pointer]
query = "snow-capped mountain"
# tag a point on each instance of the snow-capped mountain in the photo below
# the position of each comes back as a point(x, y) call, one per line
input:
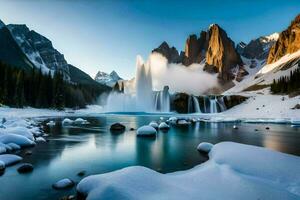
point(107, 79)
point(258, 48)
point(39, 50)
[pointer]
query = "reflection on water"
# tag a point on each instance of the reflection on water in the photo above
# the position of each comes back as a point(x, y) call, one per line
point(94, 149)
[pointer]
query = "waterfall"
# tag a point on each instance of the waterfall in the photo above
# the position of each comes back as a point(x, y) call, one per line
point(162, 100)
point(213, 105)
point(222, 104)
point(193, 105)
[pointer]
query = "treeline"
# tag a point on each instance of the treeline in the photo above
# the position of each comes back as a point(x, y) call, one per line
point(19, 88)
point(287, 84)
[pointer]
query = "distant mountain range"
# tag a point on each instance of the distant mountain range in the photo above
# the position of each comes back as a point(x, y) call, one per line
point(107, 79)
point(26, 49)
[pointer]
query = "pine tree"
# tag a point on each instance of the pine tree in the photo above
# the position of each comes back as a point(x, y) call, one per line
point(19, 98)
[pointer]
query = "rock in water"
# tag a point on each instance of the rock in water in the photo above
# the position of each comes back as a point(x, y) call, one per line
point(63, 184)
point(146, 131)
point(154, 125)
point(205, 147)
point(25, 168)
point(117, 127)
point(164, 126)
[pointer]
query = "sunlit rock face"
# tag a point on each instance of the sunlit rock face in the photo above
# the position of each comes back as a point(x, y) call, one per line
point(288, 42)
point(221, 55)
point(212, 48)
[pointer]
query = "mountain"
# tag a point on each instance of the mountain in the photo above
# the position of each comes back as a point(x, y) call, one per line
point(170, 53)
point(39, 50)
point(107, 79)
point(258, 48)
point(10, 52)
point(213, 48)
point(287, 43)
point(221, 54)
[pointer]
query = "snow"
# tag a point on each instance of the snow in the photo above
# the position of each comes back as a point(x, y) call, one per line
point(154, 125)
point(163, 125)
point(16, 139)
point(182, 122)
point(107, 79)
point(9, 159)
point(80, 121)
point(266, 74)
point(51, 123)
point(14, 146)
point(146, 131)
point(64, 183)
point(205, 147)
point(234, 171)
point(67, 121)
point(40, 139)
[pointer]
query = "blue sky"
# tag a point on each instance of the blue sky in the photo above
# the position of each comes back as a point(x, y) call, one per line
point(107, 35)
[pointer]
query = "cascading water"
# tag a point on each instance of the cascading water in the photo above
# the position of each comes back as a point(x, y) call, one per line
point(213, 105)
point(221, 104)
point(193, 105)
point(162, 100)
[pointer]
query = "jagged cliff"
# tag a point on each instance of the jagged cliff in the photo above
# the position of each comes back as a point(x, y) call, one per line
point(288, 42)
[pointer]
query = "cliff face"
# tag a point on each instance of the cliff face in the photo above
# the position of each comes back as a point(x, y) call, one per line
point(288, 42)
point(221, 55)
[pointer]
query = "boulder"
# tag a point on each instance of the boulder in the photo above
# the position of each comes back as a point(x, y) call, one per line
point(205, 147)
point(164, 126)
point(154, 125)
point(117, 127)
point(63, 184)
point(25, 168)
point(146, 131)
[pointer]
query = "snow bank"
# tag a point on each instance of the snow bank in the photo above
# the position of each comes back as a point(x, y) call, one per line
point(16, 139)
point(9, 159)
point(234, 171)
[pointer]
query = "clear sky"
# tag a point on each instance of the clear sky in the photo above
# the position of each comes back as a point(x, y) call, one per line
point(107, 35)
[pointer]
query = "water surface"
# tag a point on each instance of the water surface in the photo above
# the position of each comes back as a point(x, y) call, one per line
point(94, 149)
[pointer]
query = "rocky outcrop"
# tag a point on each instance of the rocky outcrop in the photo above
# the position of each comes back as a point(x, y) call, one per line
point(212, 47)
point(107, 79)
point(221, 55)
point(288, 42)
point(170, 53)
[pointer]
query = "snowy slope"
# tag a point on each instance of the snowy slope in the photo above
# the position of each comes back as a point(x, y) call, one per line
point(267, 73)
point(234, 171)
point(107, 79)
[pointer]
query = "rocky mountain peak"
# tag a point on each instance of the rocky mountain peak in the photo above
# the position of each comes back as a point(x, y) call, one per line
point(221, 55)
point(170, 53)
point(288, 42)
point(107, 79)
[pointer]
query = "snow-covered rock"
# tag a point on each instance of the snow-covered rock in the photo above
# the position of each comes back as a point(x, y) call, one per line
point(234, 171)
point(16, 139)
point(80, 121)
point(14, 146)
point(63, 184)
point(163, 126)
point(182, 122)
point(154, 125)
point(51, 123)
point(205, 147)
point(146, 131)
point(22, 131)
point(9, 159)
point(67, 121)
point(40, 139)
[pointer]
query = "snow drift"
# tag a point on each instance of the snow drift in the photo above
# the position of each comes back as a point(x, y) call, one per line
point(234, 171)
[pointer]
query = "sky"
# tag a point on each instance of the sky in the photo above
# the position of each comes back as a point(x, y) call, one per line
point(107, 35)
